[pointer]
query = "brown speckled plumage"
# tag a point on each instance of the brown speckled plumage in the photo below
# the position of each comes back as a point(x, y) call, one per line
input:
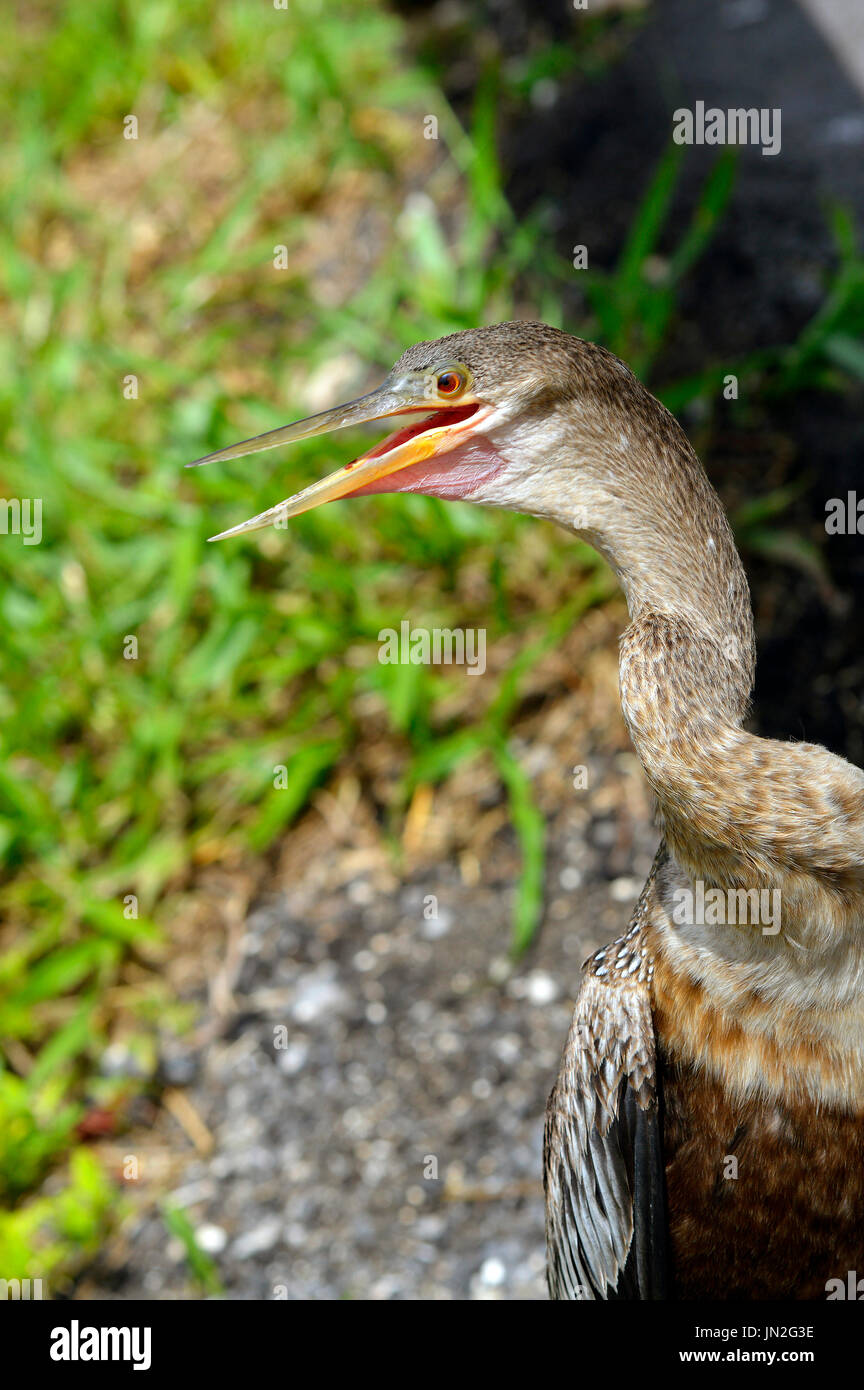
point(759, 1035)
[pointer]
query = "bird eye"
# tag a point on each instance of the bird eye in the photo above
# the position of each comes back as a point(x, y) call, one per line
point(450, 383)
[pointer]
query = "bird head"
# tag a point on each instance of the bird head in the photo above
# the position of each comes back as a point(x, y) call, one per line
point(489, 404)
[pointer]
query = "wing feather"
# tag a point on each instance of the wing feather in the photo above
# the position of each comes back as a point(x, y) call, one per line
point(605, 1211)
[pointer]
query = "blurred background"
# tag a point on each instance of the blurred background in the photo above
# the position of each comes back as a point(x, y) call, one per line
point(295, 1041)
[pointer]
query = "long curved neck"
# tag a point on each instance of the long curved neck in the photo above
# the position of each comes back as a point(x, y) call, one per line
point(745, 819)
point(616, 468)
point(687, 659)
point(736, 810)
point(673, 551)
point(686, 665)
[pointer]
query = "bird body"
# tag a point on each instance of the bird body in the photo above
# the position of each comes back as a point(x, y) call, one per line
point(705, 1137)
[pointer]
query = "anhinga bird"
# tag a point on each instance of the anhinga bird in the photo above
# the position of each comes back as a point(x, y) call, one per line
point(705, 1137)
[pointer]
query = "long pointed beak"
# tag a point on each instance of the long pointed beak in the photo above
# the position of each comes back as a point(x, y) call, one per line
point(408, 446)
point(376, 405)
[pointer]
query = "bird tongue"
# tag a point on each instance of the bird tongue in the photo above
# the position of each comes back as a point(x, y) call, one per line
point(453, 475)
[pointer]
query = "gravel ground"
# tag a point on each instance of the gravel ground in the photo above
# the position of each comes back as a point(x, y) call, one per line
point(376, 1103)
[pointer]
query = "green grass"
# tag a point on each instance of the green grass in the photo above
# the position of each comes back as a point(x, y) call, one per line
point(202, 1267)
point(127, 259)
point(154, 259)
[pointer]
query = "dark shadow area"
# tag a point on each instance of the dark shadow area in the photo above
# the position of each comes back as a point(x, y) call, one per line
point(582, 144)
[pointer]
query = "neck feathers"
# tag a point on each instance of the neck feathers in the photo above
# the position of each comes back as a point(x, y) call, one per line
point(745, 820)
point(737, 811)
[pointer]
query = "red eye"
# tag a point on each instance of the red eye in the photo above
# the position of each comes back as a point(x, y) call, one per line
point(449, 383)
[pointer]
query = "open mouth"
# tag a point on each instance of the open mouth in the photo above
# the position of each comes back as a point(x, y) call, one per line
point(428, 456)
point(444, 418)
point(460, 459)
